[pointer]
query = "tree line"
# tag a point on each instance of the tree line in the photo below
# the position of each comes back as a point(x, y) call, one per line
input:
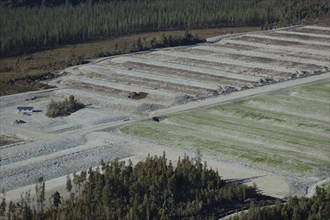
point(26, 29)
point(49, 3)
point(152, 189)
point(30, 25)
point(315, 208)
point(156, 189)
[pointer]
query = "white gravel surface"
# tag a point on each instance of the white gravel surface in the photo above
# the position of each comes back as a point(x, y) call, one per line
point(59, 156)
point(316, 27)
point(204, 70)
point(305, 34)
point(266, 54)
point(279, 48)
point(120, 86)
point(155, 76)
point(283, 38)
point(230, 61)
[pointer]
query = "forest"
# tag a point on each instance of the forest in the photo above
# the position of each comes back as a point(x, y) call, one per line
point(27, 26)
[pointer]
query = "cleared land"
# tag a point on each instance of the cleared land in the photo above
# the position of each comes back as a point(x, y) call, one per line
point(286, 131)
point(177, 79)
point(175, 76)
point(38, 65)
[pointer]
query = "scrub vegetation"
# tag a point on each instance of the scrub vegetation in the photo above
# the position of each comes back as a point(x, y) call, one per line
point(63, 108)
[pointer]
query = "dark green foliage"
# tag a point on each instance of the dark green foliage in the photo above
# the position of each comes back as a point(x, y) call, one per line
point(153, 189)
point(290, 12)
point(16, 84)
point(56, 199)
point(3, 204)
point(167, 41)
point(64, 108)
point(52, 23)
point(40, 193)
point(26, 29)
point(68, 184)
point(315, 208)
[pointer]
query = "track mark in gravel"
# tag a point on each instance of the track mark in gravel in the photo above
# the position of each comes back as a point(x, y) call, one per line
point(209, 65)
point(106, 74)
point(121, 91)
point(186, 67)
point(265, 54)
point(234, 62)
point(284, 48)
point(310, 30)
point(316, 27)
point(289, 54)
point(283, 39)
point(322, 49)
point(182, 81)
point(316, 36)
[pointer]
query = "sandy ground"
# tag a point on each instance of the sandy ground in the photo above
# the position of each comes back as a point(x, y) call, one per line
point(54, 148)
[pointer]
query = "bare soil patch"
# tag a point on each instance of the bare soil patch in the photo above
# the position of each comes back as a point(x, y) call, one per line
point(311, 30)
point(43, 63)
point(300, 37)
point(7, 140)
point(280, 53)
point(282, 43)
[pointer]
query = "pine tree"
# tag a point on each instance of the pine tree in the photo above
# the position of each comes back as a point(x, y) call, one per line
point(56, 199)
point(68, 184)
point(40, 193)
point(3, 204)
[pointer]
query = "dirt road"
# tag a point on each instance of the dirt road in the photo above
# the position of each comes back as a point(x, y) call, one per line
point(240, 94)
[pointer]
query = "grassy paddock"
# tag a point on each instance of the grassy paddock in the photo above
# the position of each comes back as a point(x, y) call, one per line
point(18, 73)
point(286, 131)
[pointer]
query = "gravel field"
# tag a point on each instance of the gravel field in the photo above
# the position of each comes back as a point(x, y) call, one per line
point(176, 79)
point(285, 48)
point(283, 38)
point(305, 34)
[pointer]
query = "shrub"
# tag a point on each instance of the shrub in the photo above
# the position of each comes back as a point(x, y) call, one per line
point(63, 108)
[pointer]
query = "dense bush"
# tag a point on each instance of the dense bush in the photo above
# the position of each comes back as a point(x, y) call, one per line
point(63, 108)
point(165, 41)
